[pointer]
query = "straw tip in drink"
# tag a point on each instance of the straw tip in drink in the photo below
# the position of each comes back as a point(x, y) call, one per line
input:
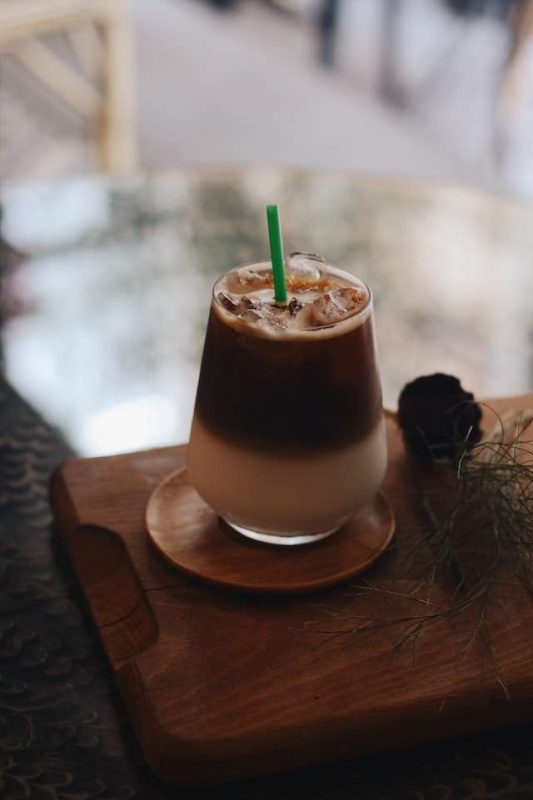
point(276, 253)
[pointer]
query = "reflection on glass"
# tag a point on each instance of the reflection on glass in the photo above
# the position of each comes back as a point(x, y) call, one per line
point(116, 287)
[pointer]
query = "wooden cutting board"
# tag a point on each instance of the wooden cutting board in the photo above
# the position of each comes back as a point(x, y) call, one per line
point(222, 685)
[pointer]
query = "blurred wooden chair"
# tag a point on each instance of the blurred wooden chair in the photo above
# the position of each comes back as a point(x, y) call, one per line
point(98, 83)
point(514, 83)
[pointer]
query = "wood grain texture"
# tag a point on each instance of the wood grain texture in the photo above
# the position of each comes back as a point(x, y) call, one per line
point(190, 536)
point(222, 686)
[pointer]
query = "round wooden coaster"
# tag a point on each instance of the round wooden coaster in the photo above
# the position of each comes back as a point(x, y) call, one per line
point(188, 533)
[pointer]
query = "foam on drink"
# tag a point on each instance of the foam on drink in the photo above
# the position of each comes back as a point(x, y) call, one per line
point(318, 297)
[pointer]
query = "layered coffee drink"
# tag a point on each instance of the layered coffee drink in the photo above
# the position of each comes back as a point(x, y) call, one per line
point(287, 439)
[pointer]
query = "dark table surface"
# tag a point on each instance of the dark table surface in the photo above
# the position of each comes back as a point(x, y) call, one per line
point(63, 731)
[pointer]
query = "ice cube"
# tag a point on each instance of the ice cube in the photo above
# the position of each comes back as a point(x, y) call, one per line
point(247, 302)
point(304, 266)
point(277, 322)
point(241, 281)
point(237, 305)
point(334, 306)
point(228, 302)
point(349, 298)
point(252, 315)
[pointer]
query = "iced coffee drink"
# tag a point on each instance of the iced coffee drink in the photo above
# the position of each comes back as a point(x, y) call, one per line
point(287, 439)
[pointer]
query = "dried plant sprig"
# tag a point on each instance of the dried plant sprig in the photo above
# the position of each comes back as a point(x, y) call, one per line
point(478, 536)
point(479, 520)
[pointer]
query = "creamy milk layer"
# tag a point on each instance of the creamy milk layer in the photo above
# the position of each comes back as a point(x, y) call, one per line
point(285, 494)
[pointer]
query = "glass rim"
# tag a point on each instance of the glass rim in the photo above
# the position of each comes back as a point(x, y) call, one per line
point(367, 307)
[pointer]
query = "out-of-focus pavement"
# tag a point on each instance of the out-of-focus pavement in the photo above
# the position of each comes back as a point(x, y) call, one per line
point(246, 87)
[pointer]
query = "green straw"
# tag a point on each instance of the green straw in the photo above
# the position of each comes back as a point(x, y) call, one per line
point(276, 254)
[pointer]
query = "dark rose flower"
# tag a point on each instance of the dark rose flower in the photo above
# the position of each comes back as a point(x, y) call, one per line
point(437, 417)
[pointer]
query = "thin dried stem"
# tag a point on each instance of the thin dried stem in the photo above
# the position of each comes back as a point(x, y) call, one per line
point(477, 536)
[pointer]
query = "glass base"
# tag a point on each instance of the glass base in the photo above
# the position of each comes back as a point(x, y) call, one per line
point(271, 538)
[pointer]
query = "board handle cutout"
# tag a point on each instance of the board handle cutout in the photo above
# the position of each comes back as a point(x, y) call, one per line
point(116, 598)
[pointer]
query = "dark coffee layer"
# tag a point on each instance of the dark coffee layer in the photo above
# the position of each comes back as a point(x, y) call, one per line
point(282, 393)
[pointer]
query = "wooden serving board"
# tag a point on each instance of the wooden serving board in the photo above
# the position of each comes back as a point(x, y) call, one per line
point(221, 686)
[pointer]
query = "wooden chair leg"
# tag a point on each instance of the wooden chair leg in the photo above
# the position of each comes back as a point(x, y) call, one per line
point(54, 73)
point(514, 80)
point(118, 133)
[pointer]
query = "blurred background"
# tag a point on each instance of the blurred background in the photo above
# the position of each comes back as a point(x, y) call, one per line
point(140, 140)
point(438, 88)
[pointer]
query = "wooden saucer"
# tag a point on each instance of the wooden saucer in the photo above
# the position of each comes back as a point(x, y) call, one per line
point(188, 533)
